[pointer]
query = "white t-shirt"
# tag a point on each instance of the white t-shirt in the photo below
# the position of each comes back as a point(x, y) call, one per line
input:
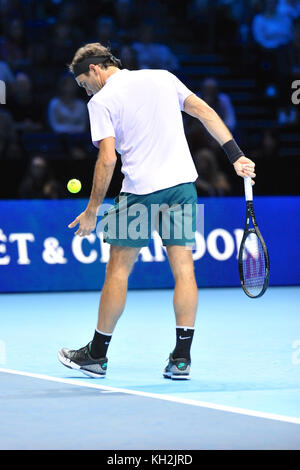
point(142, 110)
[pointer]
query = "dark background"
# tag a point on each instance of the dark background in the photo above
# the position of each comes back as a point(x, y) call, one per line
point(250, 86)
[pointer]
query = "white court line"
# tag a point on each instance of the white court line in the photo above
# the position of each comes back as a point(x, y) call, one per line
point(184, 401)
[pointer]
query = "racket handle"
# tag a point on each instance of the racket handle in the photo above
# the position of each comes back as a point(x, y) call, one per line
point(248, 189)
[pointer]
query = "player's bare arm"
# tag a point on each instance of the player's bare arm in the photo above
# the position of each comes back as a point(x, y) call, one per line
point(198, 108)
point(103, 172)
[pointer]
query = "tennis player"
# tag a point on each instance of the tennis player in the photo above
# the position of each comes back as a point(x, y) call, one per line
point(138, 113)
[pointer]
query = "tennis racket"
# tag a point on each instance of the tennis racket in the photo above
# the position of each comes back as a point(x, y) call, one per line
point(253, 260)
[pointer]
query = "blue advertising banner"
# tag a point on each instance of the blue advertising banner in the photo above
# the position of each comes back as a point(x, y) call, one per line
point(38, 252)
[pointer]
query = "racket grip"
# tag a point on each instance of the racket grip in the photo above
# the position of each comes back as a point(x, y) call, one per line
point(248, 188)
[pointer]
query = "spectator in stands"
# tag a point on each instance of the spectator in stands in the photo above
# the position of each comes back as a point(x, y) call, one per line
point(67, 114)
point(156, 13)
point(42, 80)
point(14, 47)
point(226, 24)
point(294, 52)
point(237, 9)
point(10, 8)
point(152, 55)
point(219, 101)
point(271, 29)
point(54, 190)
point(268, 146)
point(290, 8)
point(73, 13)
point(211, 181)
point(39, 182)
point(126, 20)
point(24, 105)
point(128, 58)
point(103, 7)
point(273, 33)
point(106, 33)
point(6, 74)
point(9, 142)
point(63, 39)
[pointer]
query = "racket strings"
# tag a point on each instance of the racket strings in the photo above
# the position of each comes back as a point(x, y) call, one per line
point(254, 265)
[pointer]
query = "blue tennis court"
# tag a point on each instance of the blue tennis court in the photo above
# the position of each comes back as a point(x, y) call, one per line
point(244, 391)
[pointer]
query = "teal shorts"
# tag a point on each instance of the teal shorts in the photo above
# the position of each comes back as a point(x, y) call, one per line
point(171, 212)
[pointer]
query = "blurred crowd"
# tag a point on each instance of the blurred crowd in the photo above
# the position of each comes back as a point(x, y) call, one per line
point(45, 114)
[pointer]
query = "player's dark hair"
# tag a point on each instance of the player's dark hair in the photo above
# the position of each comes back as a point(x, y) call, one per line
point(94, 49)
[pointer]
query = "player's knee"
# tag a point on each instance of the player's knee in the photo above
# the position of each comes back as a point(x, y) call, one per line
point(184, 275)
point(115, 270)
point(181, 262)
point(183, 270)
point(118, 267)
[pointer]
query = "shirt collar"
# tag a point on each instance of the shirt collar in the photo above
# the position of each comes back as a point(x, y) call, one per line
point(114, 75)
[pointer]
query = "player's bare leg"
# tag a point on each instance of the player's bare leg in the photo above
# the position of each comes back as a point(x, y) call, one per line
point(185, 298)
point(185, 301)
point(113, 296)
point(91, 359)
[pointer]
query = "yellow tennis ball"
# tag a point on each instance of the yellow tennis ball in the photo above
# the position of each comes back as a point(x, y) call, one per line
point(74, 186)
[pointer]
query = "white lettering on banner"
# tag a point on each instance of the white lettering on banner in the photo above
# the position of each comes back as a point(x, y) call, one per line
point(200, 246)
point(146, 255)
point(212, 244)
point(159, 249)
point(77, 249)
point(22, 239)
point(198, 253)
point(53, 253)
point(3, 259)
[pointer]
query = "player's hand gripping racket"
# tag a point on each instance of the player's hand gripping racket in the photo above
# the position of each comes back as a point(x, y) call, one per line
point(254, 265)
